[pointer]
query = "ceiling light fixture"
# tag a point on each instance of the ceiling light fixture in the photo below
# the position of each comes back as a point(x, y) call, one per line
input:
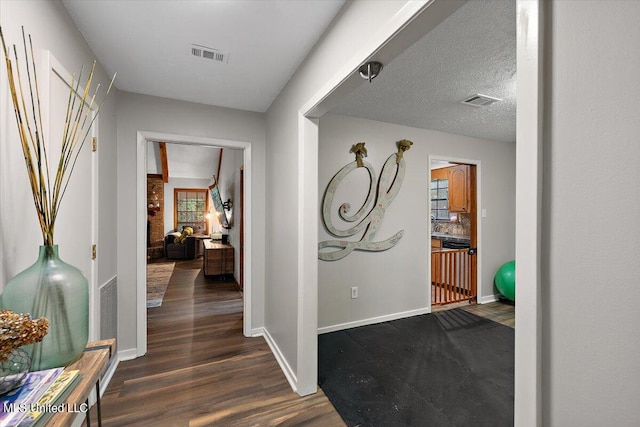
point(370, 70)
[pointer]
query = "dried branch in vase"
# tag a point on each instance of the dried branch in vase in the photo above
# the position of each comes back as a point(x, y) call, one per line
point(81, 112)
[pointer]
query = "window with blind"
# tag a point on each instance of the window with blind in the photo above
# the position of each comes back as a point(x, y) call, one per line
point(191, 205)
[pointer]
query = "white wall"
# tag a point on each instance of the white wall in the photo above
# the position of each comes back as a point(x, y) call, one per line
point(591, 215)
point(169, 187)
point(51, 29)
point(396, 281)
point(345, 36)
point(230, 189)
point(146, 113)
point(184, 161)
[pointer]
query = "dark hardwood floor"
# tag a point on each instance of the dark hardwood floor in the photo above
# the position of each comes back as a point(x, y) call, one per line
point(201, 371)
point(501, 311)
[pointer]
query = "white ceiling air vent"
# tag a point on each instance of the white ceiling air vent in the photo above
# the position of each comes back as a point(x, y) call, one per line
point(479, 100)
point(209, 53)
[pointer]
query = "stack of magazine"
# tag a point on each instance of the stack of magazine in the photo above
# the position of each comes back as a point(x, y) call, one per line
point(41, 395)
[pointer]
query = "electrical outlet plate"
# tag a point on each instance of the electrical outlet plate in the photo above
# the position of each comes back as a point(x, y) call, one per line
point(354, 292)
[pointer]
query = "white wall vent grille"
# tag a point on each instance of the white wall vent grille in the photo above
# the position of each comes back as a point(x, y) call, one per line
point(479, 100)
point(109, 309)
point(209, 53)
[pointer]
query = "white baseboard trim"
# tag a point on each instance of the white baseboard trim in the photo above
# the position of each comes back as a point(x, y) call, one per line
point(106, 378)
point(373, 320)
point(487, 299)
point(284, 365)
point(128, 354)
point(79, 420)
point(257, 332)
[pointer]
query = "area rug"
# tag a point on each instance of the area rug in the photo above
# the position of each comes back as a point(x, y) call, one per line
point(158, 275)
point(451, 368)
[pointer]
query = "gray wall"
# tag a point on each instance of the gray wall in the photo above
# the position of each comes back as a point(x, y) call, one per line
point(51, 29)
point(344, 37)
point(230, 189)
point(396, 281)
point(147, 113)
point(591, 227)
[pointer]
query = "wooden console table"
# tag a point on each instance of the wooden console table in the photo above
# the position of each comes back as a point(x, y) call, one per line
point(218, 259)
point(199, 245)
point(92, 365)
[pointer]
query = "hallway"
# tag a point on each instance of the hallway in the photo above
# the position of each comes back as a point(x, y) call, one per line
point(201, 371)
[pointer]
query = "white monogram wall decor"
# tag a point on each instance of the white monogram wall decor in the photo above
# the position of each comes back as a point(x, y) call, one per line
point(381, 194)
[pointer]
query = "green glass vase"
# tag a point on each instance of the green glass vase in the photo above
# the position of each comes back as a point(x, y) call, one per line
point(53, 289)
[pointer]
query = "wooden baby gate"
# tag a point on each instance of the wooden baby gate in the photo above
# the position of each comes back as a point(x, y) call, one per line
point(453, 276)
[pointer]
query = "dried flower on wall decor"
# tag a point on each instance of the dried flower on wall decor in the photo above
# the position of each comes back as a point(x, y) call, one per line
point(403, 145)
point(381, 194)
point(360, 151)
point(49, 190)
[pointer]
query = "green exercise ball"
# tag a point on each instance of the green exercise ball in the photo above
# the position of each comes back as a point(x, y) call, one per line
point(505, 280)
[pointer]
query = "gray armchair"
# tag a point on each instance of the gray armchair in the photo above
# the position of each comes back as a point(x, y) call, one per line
point(186, 250)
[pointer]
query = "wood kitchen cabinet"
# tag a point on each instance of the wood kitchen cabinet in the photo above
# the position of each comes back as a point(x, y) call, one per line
point(459, 188)
point(218, 259)
point(436, 243)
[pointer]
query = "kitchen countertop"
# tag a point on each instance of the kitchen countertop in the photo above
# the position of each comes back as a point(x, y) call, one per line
point(451, 237)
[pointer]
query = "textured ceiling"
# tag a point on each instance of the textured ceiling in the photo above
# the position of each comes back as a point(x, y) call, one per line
point(149, 44)
point(473, 51)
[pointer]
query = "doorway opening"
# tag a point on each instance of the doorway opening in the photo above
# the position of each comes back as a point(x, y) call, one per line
point(528, 160)
point(141, 221)
point(185, 184)
point(453, 195)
